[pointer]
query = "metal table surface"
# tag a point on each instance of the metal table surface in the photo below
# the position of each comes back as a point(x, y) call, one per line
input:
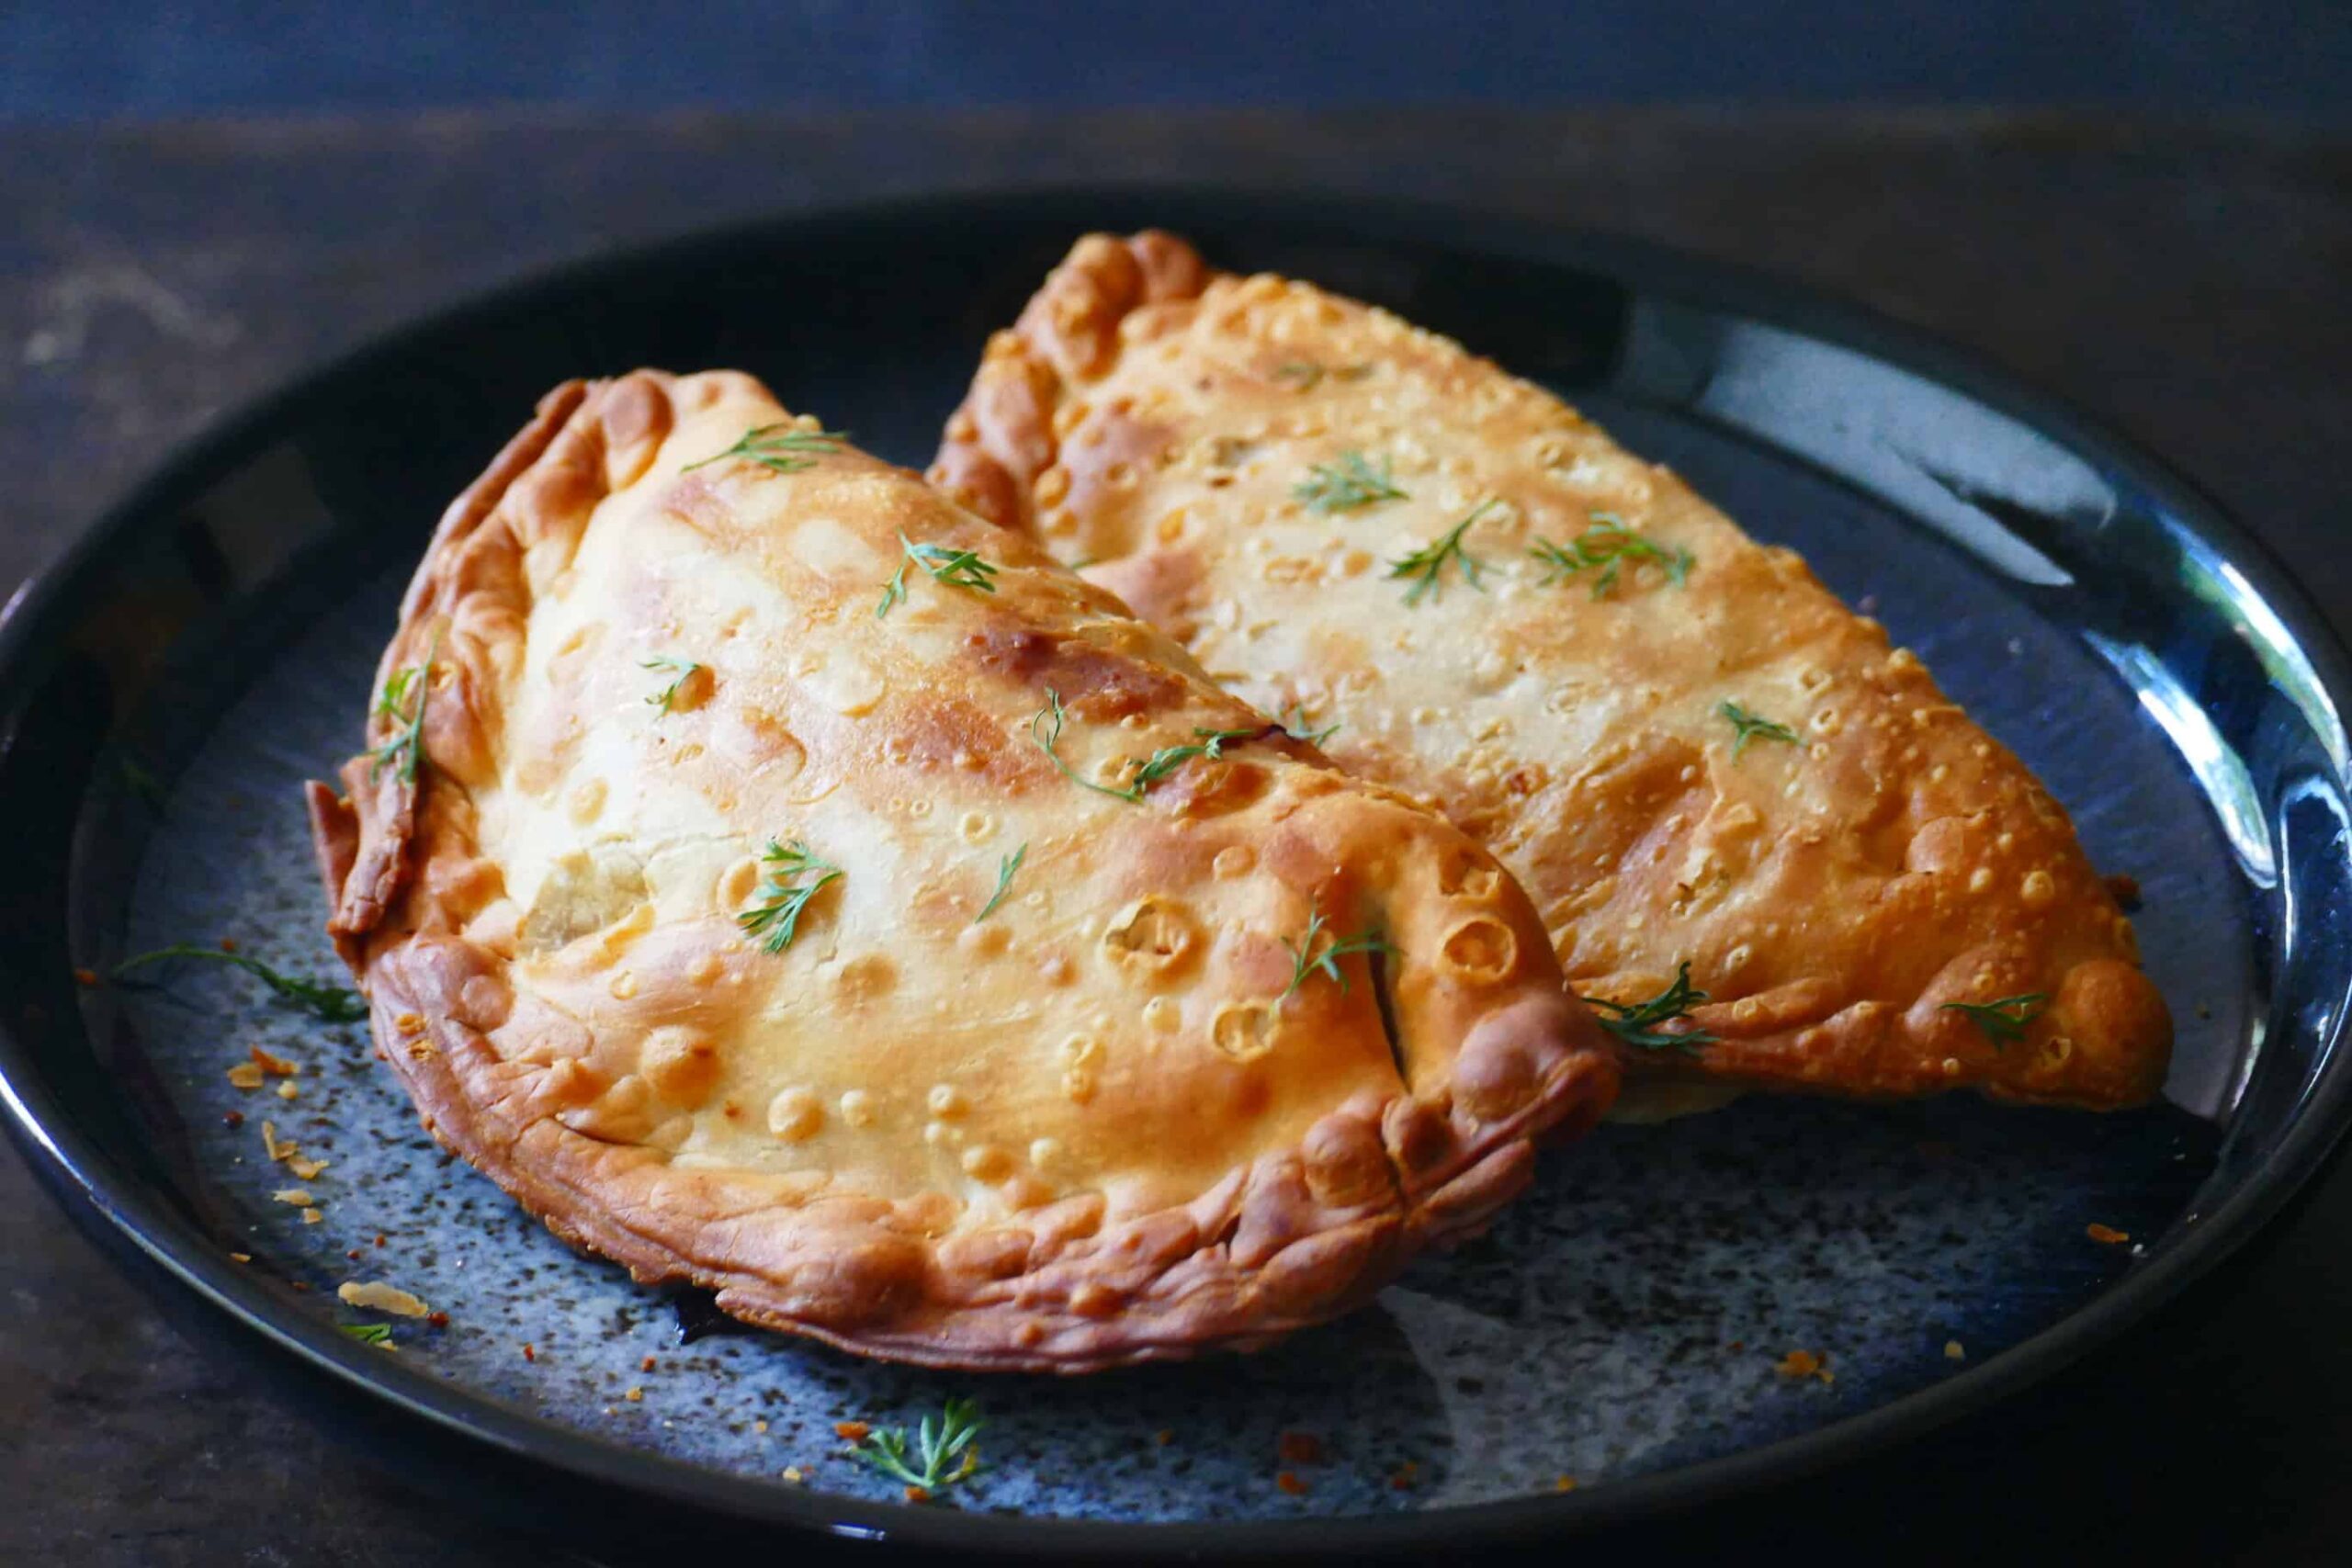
point(2189, 283)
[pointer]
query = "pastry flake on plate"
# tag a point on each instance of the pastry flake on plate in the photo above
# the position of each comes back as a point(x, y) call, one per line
point(777, 877)
point(1762, 840)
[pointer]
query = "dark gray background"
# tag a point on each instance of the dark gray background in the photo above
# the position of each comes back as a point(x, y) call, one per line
point(81, 60)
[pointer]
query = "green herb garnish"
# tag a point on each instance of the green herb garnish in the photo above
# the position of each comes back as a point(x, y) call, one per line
point(1306, 959)
point(403, 701)
point(956, 569)
point(368, 1333)
point(1209, 743)
point(1046, 729)
point(2003, 1020)
point(780, 448)
point(683, 671)
point(776, 918)
point(1293, 723)
point(1607, 544)
point(1007, 867)
point(1637, 1023)
point(938, 1446)
point(1425, 564)
point(1750, 726)
point(1347, 484)
point(333, 1003)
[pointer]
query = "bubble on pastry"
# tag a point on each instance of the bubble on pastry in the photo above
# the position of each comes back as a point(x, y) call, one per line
point(857, 1108)
point(1154, 934)
point(1479, 951)
point(681, 1063)
point(795, 1114)
point(581, 893)
point(1462, 874)
point(1244, 1031)
point(947, 1102)
point(986, 1162)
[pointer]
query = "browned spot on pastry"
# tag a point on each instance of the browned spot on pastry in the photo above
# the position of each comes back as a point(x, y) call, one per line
point(1480, 949)
point(682, 1064)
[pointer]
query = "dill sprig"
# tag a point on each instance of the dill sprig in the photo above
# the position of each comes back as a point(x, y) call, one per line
point(942, 1449)
point(368, 1333)
point(956, 569)
point(1752, 726)
point(1347, 484)
point(2004, 1019)
point(682, 670)
point(1007, 867)
point(1208, 743)
point(1608, 544)
point(1306, 959)
point(1046, 729)
point(1295, 725)
point(333, 1003)
point(1425, 564)
point(780, 448)
point(1639, 1023)
point(776, 918)
point(402, 700)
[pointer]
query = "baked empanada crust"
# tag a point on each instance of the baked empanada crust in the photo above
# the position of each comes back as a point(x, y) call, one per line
point(1087, 1129)
point(1835, 892)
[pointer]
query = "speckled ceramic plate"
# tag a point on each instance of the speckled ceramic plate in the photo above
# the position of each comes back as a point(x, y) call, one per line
point(168, 687)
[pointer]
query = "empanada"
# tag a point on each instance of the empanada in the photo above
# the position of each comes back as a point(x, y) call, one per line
point(1759, 836)
point(779, 879)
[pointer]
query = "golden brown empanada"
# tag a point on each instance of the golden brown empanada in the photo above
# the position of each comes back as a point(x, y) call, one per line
point(1686, 750)
point(777, 877)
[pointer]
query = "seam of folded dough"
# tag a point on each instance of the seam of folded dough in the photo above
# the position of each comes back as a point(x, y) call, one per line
point(1294, 1236)
point(1104, 379)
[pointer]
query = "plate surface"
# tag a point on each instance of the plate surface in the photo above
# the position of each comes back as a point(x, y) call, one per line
point(170, 685)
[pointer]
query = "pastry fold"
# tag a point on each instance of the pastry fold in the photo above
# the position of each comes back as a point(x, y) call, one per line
point(776, 877)
point(1685, 748)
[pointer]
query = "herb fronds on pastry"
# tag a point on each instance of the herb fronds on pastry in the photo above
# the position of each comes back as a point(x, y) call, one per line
point(778, 879)
point(1763, 843)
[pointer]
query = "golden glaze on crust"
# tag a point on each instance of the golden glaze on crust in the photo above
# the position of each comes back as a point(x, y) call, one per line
point(1831, 894)
point(1088, 1130)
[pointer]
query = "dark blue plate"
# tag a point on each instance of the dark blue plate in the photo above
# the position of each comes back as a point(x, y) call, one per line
point(210, 645)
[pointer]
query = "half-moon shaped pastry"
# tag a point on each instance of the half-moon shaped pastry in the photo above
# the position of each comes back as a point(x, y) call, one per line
point(777, 877)
point(1762, 840)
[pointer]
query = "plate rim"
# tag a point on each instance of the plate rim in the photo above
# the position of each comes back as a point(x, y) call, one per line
point(109, 1204)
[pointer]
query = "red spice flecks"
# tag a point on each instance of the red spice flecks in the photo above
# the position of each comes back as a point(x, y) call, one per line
point(851, 1431)
point(228, 944)
point(1290, 1484)
point(2107, 1236)
point(438, 1319)
point(646, 1365)
point(379, 1238)
point(530, 1352)
point(1299, 1447)
point(1404, 1477)
point(232, 1118)
point(1805, 1364)
point(86, 977)
point(918, 1495)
